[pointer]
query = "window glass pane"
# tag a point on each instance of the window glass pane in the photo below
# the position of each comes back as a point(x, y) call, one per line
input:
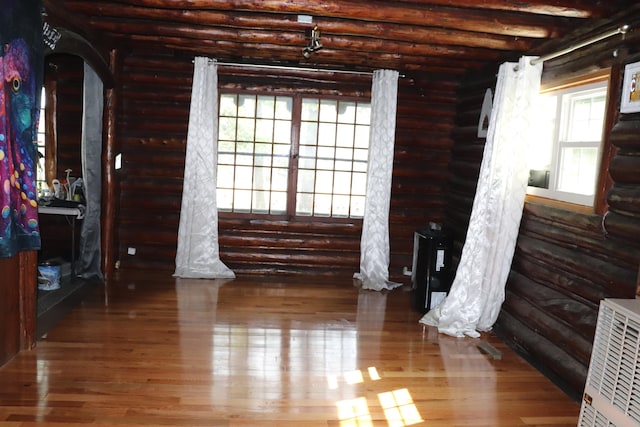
point(357, 206)
point(541, 152)
point(228, 105)
point(341, 205)
point(327, 133)
point(360, 166)
point(281, 155)
point(225, 176)
point(244, 159)
point(261, 201)
point(282, 131)
point(308, 133)
point(310, 109)
point(226, 146)
point(326, 164)
point(283, 108)
point(586, 117)
point(359, 184)
point(227, 128)
point(261, 178)
point(363, 114)
point(360, 155)
point(307, 162)
point(246, 106)
point(306, 180)
point(242, 200)
point(263, 154)
point(304, 204)
point(224, 199)
point(324, 181)
point(244, 148)
point(347, 112)
point(322, 205)
point(578, 170)
point(246, 129)
point(243, 177)
point(278, 202)
point(307, 151)
point(343, 165)
point(266, 107)
point(226, 159)
point(345, 135)
point(264, 130)
point(361, 139)
point(326, 153)
point(328, 110)
point(343, 181)
point(279, 179)
point(344, 154)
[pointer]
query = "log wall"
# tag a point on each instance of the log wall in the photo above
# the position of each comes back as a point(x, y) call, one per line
point(567, 259)
point(154, 96)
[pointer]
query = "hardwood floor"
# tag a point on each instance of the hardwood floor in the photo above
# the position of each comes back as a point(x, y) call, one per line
point(258, 352)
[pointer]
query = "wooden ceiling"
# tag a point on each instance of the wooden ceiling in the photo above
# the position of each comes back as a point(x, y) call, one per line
point(433, 36)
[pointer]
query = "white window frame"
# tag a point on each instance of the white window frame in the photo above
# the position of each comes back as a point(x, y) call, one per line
point(564, 95)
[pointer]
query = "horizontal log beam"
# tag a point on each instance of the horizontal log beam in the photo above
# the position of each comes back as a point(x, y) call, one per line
point(625, 133)
point(624, 198)
point(263, 38)
point(578, 261)
point(568, 8)
point(546, 353)
point(502, 22)
point(328, 57)
point(623, 227)
point(625, 169)
point(544, 274)
point(558, 317)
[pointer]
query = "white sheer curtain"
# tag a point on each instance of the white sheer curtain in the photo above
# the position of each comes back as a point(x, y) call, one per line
point(198, 253)
point(374, 243)
point(477, 292)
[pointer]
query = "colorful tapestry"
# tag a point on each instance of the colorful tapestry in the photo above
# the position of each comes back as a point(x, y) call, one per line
point(21, 70)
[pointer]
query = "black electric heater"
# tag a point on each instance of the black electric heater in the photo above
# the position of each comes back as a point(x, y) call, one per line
point(431, 274)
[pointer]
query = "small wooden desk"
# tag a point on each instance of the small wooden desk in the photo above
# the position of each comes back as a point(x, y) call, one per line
point(74, 213)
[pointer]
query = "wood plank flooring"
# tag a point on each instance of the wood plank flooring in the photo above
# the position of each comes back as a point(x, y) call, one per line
point(266, 352)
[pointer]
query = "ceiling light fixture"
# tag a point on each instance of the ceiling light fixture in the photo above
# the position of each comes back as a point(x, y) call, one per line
point(314, 42)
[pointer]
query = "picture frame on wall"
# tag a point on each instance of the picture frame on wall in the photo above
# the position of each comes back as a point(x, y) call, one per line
point(630, 102)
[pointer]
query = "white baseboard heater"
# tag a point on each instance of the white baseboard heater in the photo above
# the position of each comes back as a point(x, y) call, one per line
point(612, 391)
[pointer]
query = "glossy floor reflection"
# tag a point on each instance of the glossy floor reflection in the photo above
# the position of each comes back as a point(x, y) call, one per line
point(266, 352)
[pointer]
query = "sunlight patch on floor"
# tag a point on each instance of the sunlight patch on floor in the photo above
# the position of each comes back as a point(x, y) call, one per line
point(398, 406)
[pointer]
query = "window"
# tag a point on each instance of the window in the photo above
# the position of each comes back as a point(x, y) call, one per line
point(41, 175)
point(565, 161)
point(292, 155)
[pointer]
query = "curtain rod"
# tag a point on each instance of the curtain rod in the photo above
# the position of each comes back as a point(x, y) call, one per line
point(284, 67)
point(620, 30)
point(288, 68)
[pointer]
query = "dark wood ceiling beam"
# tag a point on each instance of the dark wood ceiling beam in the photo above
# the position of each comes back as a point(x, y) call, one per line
point(324, 58)
point(477, 20)
point(354, 45)
point(384, 31)
point(566, 8)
